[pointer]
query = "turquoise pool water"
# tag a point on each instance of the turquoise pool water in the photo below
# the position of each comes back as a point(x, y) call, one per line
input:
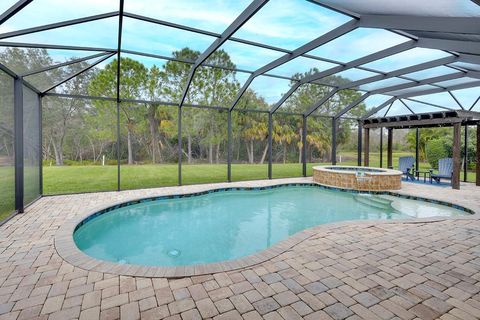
point(231, 224)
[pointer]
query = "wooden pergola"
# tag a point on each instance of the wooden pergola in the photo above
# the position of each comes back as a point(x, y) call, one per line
point(454, 118)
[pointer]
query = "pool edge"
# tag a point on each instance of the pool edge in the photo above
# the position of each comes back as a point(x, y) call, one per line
point(68, 251)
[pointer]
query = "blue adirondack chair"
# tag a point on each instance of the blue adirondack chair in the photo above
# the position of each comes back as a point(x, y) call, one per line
point(407, 166)
point(445, 170)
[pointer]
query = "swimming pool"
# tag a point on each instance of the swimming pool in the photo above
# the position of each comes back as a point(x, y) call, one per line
point(231, 224)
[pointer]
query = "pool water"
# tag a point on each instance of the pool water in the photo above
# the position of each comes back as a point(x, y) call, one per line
point(232, 224)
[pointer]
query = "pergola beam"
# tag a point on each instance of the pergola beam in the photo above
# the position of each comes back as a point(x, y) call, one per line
point(461, 25)
point(19, 5)
point(56, 25)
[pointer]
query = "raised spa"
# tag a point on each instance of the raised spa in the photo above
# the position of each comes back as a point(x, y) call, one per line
point(358, 178)
point(230, 224)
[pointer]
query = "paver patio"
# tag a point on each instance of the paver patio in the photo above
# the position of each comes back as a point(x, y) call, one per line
point(402, 270)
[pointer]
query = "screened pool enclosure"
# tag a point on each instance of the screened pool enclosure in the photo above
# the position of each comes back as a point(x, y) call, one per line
point(119, 94)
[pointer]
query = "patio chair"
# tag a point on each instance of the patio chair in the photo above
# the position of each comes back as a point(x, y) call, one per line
point(445, 170)
point(407, 166)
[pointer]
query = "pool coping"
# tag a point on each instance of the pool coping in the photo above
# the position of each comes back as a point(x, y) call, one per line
point(67, 249)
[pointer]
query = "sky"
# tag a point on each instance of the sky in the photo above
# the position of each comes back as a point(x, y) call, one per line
point(287, 24)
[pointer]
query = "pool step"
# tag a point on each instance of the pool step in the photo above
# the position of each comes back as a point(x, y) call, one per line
point(374, 201)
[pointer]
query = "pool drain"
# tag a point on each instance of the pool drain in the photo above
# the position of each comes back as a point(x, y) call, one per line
point(174, 253)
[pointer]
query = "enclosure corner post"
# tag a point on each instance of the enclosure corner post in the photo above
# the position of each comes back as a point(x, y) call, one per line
point(229, 146)
point(456, 155)
point(366, 160)
point(270, 153)
point(359, 143)
point(389, 148)
point(334, 141)
point(304, 146)
point(19, 161)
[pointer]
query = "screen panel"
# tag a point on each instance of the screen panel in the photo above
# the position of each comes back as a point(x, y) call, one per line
point(148, 145)
point(79, 145)
point(7, 152)
point(249, 145)
point(31, 145)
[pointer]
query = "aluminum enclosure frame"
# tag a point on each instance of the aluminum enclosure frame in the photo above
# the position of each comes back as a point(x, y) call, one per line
point(415, 28)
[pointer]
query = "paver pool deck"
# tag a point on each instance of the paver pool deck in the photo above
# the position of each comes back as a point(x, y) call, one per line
point(426, 269)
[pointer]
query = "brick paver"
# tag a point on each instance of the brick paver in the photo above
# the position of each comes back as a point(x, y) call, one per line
point(424, 270)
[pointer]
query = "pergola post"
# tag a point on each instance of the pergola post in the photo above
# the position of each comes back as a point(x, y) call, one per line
point(381, 147)
point(304, 146)
point(477, 180)
point(417, 148)
point(457, 127)
point(389, 148)
point(359, 143)
point(366, 160)
point(18, 131)
point(465, 153)
point(334, 141)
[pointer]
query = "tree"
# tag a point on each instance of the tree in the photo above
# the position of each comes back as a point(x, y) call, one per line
point(133, 78)
point(318, 134)
point(210, 86)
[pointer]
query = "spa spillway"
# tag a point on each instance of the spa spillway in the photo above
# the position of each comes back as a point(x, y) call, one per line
point(358, 178)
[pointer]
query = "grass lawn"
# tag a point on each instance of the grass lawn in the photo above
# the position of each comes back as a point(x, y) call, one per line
point(74, 179)
point(7, 191)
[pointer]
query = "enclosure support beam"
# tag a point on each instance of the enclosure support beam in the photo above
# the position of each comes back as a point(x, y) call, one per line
point(19, 5)
point(477, 167)
point(304, 147)
point(334, 141)
point(389, 148)
point(270, 152)
point(456, 155)
point(381, 147)
point(249, 12)
point(18, 124)
point(359, 143)
point(366, 160)
point(229, 146)
point(417, 148)
point(119, 48)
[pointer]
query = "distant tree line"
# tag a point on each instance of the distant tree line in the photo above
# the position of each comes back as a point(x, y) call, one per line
point(82, 131)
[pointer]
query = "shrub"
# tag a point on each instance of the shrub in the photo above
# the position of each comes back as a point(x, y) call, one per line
point(436, 149)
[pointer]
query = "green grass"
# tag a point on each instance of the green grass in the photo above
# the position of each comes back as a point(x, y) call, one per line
point(74, 179)
point(7, 191)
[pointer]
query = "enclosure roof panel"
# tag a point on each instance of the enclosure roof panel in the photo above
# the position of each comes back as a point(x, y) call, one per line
point(434, 8)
